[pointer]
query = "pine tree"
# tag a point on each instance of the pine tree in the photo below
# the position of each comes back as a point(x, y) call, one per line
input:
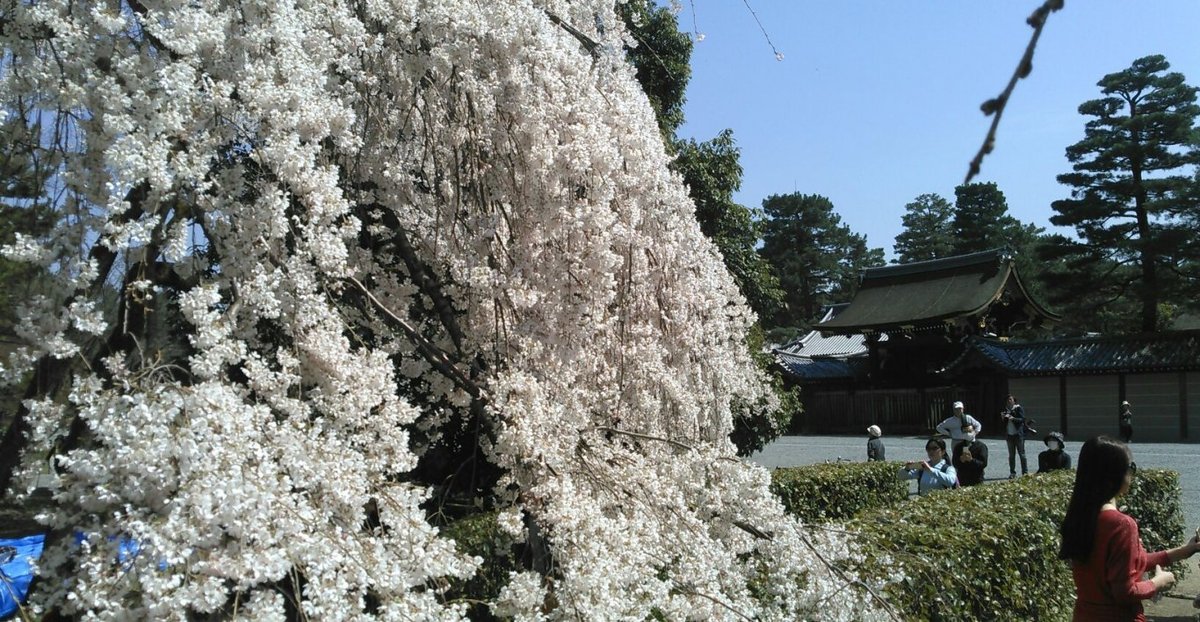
point(1132, 192)
point(927, 233)
point(981, 221)
point(816, 257)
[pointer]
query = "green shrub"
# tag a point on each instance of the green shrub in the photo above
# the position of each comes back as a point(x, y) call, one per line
point(990, 552)
point(1154, 501)
point(837, 491)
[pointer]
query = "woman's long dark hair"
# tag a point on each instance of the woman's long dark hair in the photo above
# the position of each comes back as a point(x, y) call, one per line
point(1103, 463)
point(940, 443)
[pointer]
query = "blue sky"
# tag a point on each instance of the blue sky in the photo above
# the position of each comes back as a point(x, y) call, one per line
point(877, 101)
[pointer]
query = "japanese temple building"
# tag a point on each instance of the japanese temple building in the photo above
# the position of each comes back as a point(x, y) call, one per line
point(918, 336)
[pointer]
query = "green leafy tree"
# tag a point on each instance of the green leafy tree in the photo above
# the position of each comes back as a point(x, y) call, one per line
point(712, 172)
point(1133, 200)
point(661, 59)
point(817, 258)
point(927, 233)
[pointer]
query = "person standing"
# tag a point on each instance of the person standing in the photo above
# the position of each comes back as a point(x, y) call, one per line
point(934, 473)
point(1054, 458)
point(970, 459)
point(1125, 422)
point(955, 426)
point(1102, 544)
point(1014, 421)
point(875, 448)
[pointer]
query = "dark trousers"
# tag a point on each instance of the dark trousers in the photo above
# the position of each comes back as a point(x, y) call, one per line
point(1016, 446)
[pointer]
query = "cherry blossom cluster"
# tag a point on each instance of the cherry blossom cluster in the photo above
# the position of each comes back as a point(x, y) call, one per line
point(353, 221)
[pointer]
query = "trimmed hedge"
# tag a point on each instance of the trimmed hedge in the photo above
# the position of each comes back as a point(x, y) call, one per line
point(837, 491)
point(1155, 501)
point(990, 552)
point(980, 553)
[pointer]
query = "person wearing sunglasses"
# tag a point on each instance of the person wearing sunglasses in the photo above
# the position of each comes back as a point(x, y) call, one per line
point(1102, 543)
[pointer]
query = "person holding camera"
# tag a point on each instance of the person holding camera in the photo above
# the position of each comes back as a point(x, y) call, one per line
point(970, 458)
point(1014, 420)
point(934, 473)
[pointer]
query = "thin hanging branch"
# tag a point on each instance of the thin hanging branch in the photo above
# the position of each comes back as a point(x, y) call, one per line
point(439, 359)
point(995, 107)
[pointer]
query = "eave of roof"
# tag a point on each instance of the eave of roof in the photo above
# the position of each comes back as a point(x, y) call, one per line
point(1145, 353)
point(804, 368)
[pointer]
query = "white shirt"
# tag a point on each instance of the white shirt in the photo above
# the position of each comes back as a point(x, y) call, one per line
point(953, 426)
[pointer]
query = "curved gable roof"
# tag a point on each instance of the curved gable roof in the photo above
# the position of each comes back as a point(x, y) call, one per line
point(925, 293)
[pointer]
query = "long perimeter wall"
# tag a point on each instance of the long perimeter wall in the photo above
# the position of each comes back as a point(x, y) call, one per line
point(1166, 406)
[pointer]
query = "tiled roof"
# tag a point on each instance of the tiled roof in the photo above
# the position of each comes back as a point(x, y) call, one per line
point(822, 368)
point(928, 293)
point(1155, 352)
point(816, 345)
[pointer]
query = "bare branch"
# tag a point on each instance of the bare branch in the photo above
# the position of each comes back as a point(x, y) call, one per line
point(431, 353)
point(995, 107)
point(646, 437)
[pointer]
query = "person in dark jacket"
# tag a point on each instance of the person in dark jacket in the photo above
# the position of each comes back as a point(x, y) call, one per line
point(1014, 422)
point(1125, 422)
point(1054, 458)
point(875, 447)
point(970, 458)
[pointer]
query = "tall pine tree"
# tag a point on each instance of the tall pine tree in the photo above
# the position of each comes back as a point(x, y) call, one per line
point(981, 220)
point(1132, 193)
point(816, 257)
point(927, 233)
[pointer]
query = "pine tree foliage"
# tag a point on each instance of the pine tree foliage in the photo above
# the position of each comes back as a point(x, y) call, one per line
point(927, 230)
point(981, 220)
point(818, 259)
point(1133, 199)
point(419, 257)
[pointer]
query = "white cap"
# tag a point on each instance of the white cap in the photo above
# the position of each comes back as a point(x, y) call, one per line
point(874, 431)
point(958, 404)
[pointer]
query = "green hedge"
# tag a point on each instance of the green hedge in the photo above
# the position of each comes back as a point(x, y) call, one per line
point(990, 552)
point(837, 491)
point(1154, 500)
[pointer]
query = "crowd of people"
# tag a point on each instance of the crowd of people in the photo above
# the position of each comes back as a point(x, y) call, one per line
point(1112, 572)
point(967, 458)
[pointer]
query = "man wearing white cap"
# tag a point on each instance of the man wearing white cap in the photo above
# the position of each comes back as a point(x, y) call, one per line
point(960, 425)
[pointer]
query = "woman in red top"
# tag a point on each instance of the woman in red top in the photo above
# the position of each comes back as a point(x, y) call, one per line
point(1102, 544)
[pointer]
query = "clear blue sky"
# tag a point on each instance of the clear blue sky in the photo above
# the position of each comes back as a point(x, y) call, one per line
point(877, 101)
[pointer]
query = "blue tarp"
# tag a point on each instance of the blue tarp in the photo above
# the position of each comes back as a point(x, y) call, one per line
point(16, 570)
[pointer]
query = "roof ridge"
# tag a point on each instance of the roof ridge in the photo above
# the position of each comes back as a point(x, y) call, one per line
point(942, 263)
